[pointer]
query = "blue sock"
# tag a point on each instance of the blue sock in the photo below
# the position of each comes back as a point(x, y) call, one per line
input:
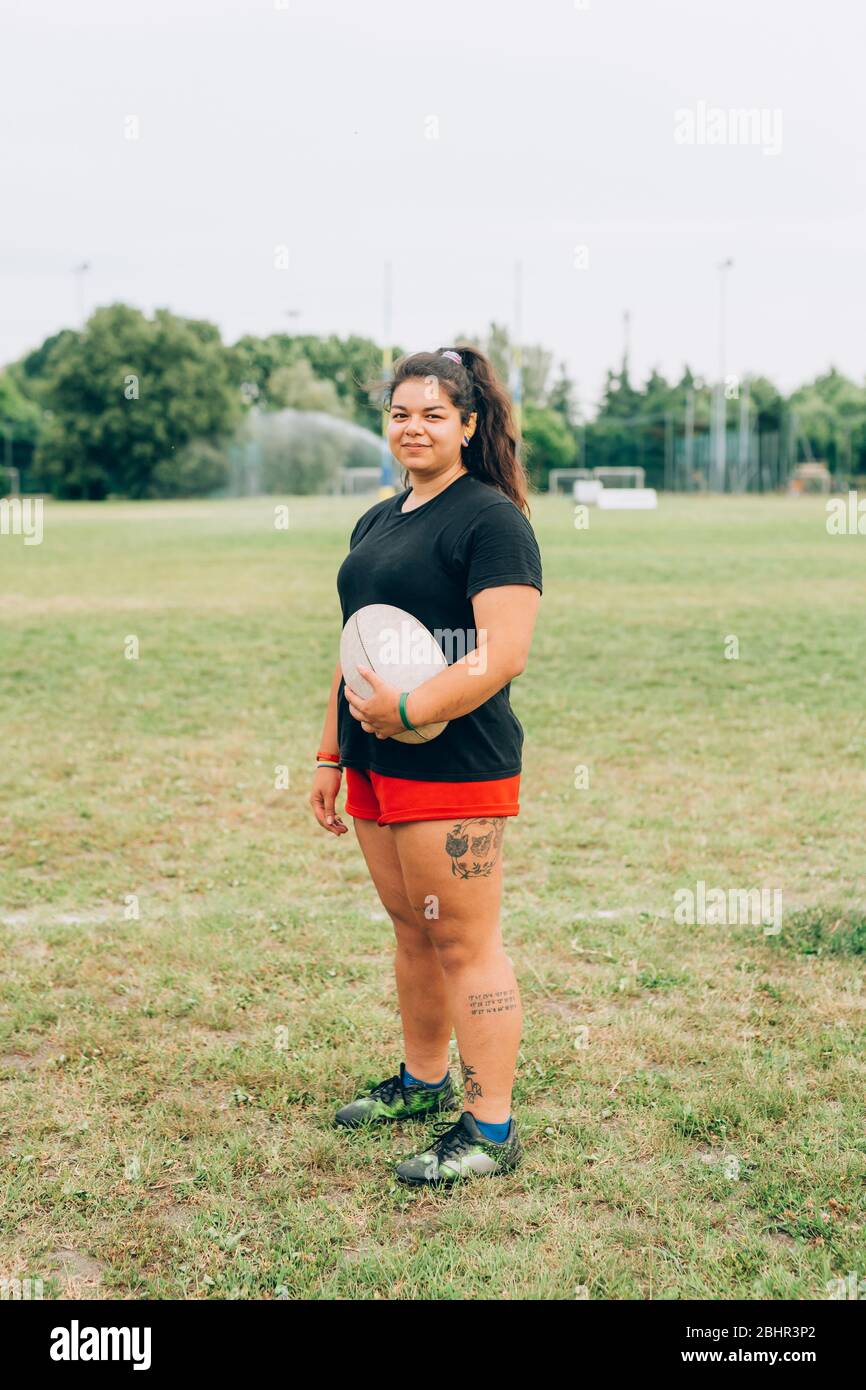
point(495, 1132)
point(410, 1080)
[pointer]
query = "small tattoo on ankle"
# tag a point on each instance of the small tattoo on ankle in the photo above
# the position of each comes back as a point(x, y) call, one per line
point(471, 1088)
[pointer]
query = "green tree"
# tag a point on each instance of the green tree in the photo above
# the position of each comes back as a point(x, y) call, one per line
point(536, 365)
point(497, 346)
point(195, 470)
point(615, 438)
point(562, 398)
point(765, 402)
point(16, 409)
point(29, 372)
point(548, 443)
point(298, 386)
point(127, 394)
point(830, 416)
point(351, 364)
point(20, 419)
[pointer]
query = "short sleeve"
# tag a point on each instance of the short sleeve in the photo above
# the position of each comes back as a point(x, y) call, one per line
point(498, 547)
point(358, 529)
point(365, 521)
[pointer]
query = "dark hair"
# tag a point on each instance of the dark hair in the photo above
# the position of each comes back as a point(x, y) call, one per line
point(472, 385)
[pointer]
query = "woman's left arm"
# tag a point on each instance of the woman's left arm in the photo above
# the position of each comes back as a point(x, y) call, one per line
point(504, 622)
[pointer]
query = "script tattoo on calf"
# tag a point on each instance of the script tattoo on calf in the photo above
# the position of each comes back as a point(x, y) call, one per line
point(474, 845)
point(498, 1001)
point(471, 1088)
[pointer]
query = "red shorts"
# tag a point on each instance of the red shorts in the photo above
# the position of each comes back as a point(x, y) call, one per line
point(388, 800)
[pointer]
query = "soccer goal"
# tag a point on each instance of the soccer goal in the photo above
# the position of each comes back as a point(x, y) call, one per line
point(562, 480)
point(356, 481)
point(616, 476)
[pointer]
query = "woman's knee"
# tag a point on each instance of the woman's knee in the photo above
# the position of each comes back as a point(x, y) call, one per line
point(460, 950)
point(410, 934)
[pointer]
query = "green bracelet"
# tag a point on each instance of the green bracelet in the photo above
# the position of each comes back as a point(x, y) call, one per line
point(403, 715)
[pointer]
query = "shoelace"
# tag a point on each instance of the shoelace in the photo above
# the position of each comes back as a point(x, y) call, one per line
point(452, 1138)
point(384, 1090)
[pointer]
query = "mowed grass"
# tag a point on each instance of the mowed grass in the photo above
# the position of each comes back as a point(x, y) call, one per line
point(195, 975)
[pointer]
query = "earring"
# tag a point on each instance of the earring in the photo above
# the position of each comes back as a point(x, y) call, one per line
point(465, 440)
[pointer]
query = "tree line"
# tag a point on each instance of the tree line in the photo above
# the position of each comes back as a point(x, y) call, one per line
point(160, 407)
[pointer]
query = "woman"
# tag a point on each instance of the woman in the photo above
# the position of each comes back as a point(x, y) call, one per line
point(457, 552)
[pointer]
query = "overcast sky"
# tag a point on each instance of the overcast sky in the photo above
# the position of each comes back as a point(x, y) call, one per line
point(452, 139)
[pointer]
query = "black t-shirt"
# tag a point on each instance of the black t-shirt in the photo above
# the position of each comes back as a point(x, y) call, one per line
point(430, 561)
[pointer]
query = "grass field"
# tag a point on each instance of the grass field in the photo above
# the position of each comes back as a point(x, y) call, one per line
point(690, 1098)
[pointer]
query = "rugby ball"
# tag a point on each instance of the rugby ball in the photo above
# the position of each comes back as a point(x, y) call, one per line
point(399, 649)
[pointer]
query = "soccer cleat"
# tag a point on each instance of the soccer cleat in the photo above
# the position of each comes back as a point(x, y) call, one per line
point(395, 1100)
point(460, 1151)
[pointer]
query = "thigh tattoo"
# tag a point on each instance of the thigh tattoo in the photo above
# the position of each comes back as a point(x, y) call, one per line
point(474, 846)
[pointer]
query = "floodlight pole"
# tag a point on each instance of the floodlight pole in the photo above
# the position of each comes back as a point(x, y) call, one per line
point(744, 451)
point(719, 451)
point(517, 350)
point(387, 352)
point(79, 272)
point(386, 472)
point(690, 437)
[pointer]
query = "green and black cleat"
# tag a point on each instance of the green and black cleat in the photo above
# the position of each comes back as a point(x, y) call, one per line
point(395, 1100)
point(460, 1151)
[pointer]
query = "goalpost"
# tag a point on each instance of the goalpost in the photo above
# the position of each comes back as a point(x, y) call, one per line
point(562, 480)
point(567, 477)
point(353, 482)
point(620, 476)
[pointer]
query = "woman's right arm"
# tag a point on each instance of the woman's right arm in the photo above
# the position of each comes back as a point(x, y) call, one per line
point(326, 780)
point(330, 738)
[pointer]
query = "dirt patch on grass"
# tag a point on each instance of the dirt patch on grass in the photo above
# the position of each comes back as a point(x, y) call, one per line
point(222, 1037)
point(177, 1215)
point(575, 1010)
point(78, 1273)
point(39, 916)
point(28, 1061)
point(781, 1238)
